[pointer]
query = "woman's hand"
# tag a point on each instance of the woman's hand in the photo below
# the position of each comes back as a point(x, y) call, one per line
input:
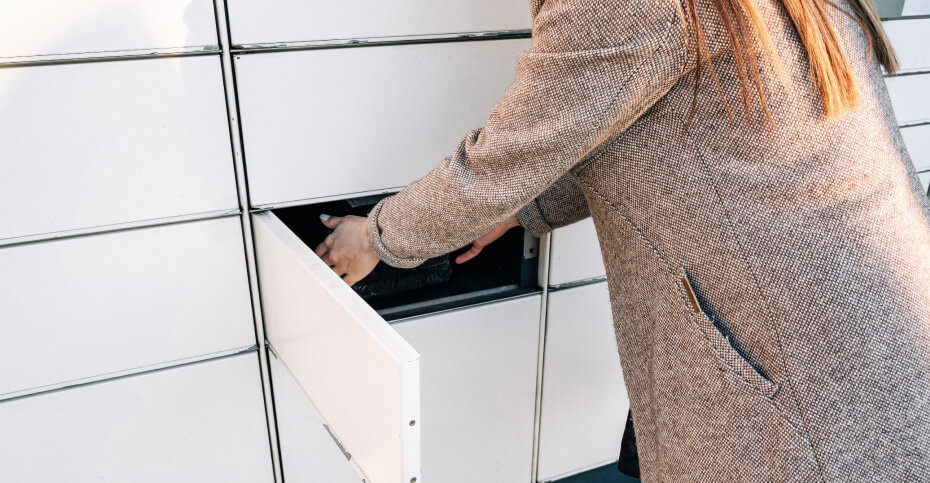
point(346, 250)
point(487, 238)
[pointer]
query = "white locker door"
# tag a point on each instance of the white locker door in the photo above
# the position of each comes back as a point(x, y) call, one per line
point(909, 97)
point(275, 21)
point(96, 306)
point(197, 423)
point(575, 254)
point(308, 453)
point(917, 139)
point(909, 39)
point(479, 390)
point(106, 143)
point(321, 123)
point(360, 374)
point(584, 399)
point(88, 28)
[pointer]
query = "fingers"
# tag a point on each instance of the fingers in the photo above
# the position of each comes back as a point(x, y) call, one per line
point(331, 221)
point(471, 253)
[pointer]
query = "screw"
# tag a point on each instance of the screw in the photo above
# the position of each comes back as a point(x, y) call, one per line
point(412, 422)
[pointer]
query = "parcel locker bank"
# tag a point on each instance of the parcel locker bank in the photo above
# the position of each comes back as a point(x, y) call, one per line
point(163, 311)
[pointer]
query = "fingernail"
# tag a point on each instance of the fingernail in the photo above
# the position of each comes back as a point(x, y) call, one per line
point(324, 216)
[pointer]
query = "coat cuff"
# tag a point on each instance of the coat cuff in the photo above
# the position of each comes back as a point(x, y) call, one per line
point(532, 220)
point(374, 240)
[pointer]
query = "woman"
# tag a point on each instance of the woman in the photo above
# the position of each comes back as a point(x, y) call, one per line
point(765, 235)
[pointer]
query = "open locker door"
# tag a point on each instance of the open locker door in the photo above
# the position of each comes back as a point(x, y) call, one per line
point(361, 375)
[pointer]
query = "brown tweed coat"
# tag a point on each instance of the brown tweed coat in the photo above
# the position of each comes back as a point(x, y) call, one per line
point(804, 352)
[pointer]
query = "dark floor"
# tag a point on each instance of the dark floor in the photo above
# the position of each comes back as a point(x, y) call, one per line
point(604, 474)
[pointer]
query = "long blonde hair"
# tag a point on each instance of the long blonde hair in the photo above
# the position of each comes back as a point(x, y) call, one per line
point(829, 66)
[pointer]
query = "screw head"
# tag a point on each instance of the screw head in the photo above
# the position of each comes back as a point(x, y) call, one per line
point(413, 422)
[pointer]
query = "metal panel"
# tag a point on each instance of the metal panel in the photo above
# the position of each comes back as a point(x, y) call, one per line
point(91, 306)
point(902, 8)
point(479, 390)
point(104, 143)
point(53, 27)
point(575, 254)
point(196, 423)
point(320, 123)
point(909, 39)
point(925, 180)
point(276, 21)
point(360, 374)
point(917, 139)
point(909, 97)
point(309, 453)
point(584, 403)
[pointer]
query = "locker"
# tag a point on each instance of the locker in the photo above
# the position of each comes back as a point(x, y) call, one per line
point(96, 306)
point(308, 453)
point(908, 37)
point(890, 9)
point(908, 97)
point(326, 123)
point(277, 21)
point(359, 372)
point(478, 390)
point(104, 143)
point(92, 28)
point(917, 139)
point(194, 423)
point(584, 400)
point(575, 254)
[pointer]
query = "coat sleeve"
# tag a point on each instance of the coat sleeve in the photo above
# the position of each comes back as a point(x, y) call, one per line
point(563, 203)
point(591, 70)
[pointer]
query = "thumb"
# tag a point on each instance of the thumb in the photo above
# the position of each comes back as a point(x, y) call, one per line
point(330, 221)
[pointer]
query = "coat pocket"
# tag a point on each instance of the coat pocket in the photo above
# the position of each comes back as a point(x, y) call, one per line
point(722, 344)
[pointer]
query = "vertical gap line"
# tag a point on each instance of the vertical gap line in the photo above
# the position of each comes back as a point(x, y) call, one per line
point(545, 250)
point(235, 136)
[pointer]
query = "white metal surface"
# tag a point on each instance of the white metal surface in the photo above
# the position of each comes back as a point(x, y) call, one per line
point(917, 139)
point(198, 423)
point(925, 179)
point(90, 306)
point(360, 374)
point(478, 390)
point(576, 254)
point(274, 21)
point(309, 453)
point(328, 122)
point(909, 38)
point(909, 97)
point(53, 27)
point(584, 404)
point(103, 143)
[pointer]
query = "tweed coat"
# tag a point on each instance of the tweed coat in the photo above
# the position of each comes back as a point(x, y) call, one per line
point(770, 287)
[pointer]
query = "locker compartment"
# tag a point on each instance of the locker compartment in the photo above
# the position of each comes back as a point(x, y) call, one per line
point(584, 400)
point(575, 254)
point(94, 306)
point(277, 21)
point(360, 374)
point(308, 453)
point(104, 143)
point(195, 423)
point(478, 390)
point(908, 97)
point(908, 37)
point(322, 123)
point(917, 140)
point(506, 268)
point(888, 9)
point(91, 28)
